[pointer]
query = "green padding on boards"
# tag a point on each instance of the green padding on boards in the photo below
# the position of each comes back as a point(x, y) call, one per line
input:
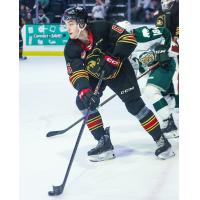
point(46, 34)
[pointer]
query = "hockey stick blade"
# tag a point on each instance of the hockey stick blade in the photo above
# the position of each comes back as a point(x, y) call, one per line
point(53, 133)
point(57, 190)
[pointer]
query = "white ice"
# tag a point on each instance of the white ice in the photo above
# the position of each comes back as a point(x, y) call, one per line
point(47, 102)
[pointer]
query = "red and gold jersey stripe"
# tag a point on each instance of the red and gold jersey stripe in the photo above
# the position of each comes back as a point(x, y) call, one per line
point(95, 123)
point(127, 38)
point(150, 124)
point(78, 74)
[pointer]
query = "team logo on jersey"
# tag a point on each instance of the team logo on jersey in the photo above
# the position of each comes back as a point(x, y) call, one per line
point(91, 64)
point(93, 59)
point(117, 29)
point(69, 69)
point(147, 58)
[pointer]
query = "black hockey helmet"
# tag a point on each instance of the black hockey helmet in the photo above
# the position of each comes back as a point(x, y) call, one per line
point(77, 13)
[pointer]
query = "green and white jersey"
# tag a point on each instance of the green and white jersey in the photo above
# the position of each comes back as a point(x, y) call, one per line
point(148, 37)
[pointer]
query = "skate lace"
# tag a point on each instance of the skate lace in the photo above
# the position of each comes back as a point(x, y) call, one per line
point(101, 142)
point(167, 122)
point(160, 142)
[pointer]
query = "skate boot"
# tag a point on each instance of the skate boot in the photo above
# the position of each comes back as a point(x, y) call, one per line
point(22, 58)
point(164, 150)
point(170, 130)
point(103, 150)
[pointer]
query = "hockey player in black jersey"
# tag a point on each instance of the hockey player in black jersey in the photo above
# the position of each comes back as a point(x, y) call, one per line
point(98, 46)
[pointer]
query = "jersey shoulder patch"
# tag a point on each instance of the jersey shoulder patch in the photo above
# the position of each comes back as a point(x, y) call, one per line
point(117, 28)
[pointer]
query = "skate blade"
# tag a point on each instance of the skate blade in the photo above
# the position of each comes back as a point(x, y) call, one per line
point(167, 154)
point(108, 155)
point(172, 134)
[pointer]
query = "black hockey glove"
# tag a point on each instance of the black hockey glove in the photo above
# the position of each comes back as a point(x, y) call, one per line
point(161, 54)
point(109, 64)
point(89, 99)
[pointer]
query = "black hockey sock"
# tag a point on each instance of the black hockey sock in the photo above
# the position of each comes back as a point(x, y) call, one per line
point(95, 125)
point(151, 124)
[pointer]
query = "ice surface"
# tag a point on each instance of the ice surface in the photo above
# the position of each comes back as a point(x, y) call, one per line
point(47, 102)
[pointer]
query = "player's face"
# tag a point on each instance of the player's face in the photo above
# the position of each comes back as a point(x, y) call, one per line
point(72, 28)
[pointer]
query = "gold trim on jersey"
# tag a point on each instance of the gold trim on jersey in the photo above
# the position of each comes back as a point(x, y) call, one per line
point(127, 38)
point(78, 74)
point(96, 52)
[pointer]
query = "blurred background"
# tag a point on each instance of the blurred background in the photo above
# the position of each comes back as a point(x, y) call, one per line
point(41, 20)
point(50, 11)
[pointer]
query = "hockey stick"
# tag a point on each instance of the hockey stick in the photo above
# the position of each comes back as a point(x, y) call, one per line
point(57, 190)
point(54, 133)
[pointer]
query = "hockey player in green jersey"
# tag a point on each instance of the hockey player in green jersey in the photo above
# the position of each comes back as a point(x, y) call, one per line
point(168, 17)
point(102, 46)
point(153, 45)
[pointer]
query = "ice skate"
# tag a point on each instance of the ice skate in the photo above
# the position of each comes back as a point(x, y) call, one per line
point(22, 58)
point(170, 129)
point(103, 150)
point(164, 150)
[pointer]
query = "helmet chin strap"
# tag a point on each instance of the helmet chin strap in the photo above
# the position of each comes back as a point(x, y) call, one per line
point(80, 29)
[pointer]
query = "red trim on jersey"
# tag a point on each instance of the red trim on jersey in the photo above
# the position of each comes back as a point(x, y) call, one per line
point(91, 41)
